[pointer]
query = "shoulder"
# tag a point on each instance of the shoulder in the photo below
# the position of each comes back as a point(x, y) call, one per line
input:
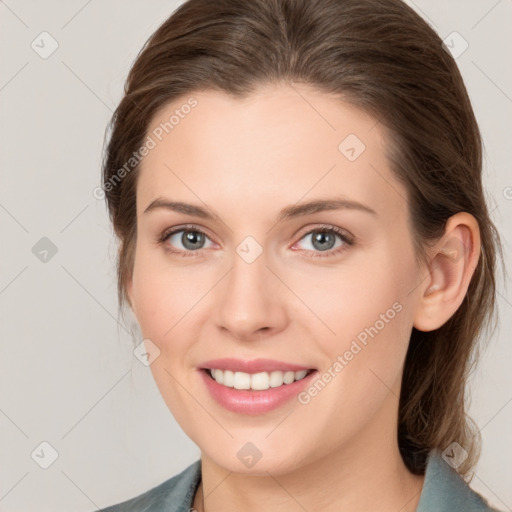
point(173, 495)
point(444, 490)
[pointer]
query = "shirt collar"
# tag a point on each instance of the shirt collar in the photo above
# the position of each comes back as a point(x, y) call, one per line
point(444, 490)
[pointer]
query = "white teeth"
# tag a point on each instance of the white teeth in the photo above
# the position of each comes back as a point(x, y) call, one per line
point(256, 381)
point(217, 375)
point(260, 381)
point(300, 374)
point(276, 379)
point(227, 378)
point(288, 377)
point(242, 380)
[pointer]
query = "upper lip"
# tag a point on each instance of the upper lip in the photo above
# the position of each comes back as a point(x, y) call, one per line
point(252, 365)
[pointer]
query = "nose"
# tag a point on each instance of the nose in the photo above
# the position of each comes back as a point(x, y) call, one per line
point(251, 302)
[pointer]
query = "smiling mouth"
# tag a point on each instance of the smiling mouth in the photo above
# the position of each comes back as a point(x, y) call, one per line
point(260, 381)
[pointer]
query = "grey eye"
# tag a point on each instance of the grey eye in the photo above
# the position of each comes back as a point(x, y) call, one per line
point(322, 240)
point(190, 239)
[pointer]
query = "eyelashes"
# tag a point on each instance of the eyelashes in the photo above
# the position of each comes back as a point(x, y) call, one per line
point(167, 235)
point(344, 237)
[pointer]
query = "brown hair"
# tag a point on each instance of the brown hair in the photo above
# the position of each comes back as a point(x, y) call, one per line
point(382, 57)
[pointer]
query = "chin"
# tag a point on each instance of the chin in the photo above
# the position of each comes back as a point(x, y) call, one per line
point(249, 460)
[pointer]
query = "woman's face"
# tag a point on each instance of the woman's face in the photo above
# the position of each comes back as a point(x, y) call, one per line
point(252, 273)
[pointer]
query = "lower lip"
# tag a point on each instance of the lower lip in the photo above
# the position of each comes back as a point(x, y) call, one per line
point(245, 401)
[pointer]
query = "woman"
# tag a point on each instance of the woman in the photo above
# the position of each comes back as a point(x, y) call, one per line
point(304, 241)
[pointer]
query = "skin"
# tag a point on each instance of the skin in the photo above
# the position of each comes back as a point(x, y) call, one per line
point(246, 160)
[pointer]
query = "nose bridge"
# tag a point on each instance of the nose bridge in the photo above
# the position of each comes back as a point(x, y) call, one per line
point(251, 299)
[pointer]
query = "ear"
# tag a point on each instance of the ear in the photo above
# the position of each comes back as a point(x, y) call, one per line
point(453, 260)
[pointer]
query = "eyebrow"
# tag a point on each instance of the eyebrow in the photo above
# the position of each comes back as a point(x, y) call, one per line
point(289, 212)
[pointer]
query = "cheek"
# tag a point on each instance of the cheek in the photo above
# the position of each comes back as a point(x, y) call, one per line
point(365, 356)
point(164, 298)
point(165, 287)
point(348, 299)
point(366, 315)
point(161, 296)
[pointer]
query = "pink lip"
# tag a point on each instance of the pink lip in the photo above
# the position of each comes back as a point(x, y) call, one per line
point(252, 366)
point(251, 402)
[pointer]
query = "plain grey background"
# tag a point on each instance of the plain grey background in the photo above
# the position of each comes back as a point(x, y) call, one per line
point(68, 376)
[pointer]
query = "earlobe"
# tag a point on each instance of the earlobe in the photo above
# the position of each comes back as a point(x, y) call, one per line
point(453, 261)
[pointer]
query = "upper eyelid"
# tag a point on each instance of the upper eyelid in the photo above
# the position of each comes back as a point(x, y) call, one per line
point(187, 227)
point(341, 232)
point(325, 227)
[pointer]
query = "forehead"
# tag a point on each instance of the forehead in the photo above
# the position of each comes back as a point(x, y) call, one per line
point(279, 144)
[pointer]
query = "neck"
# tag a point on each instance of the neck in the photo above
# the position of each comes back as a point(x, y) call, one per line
point(367, 473)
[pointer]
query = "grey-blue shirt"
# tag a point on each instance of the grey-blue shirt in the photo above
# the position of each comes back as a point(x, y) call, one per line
point(444, 490)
